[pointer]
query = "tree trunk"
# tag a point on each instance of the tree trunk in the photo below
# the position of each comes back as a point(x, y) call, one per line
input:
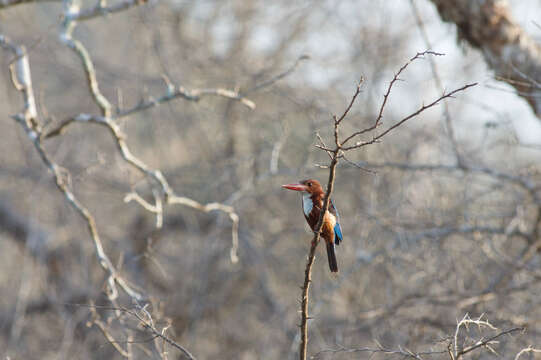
point(513, 55)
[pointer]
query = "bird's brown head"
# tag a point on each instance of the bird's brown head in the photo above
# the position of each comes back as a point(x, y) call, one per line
point(311, 186)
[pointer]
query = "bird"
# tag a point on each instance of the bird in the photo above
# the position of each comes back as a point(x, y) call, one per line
point(312, 204)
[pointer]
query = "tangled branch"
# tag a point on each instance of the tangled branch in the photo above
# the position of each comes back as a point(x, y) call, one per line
point(22, 81)
point(145, 321)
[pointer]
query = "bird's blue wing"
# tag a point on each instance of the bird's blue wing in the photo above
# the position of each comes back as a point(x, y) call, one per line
point(338, 237)
point(337, 234)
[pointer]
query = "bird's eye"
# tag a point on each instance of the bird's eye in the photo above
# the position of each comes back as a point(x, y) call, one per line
point(309, 184)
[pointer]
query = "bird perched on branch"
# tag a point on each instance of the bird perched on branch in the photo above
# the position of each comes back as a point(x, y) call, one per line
point(312, 204)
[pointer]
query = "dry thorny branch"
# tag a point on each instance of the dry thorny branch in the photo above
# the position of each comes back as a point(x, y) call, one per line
point(144, 320)
point(460, 349)
point(341, 147)
point(456, 346)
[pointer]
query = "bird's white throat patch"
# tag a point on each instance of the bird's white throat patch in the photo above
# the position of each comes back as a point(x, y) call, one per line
point(307, 203)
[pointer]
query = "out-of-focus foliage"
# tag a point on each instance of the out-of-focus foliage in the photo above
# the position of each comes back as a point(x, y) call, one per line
point(425, 240)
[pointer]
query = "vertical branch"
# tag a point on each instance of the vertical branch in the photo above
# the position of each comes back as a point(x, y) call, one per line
point(310, 261)
point(335, 154)
point(71, 11)
point(22, 81)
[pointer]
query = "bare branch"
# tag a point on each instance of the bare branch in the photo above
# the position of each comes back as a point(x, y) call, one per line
point(528, 79)
point(169, 195)
point(229, 210)
point(310, 261)
point(148, 324)
point(156, 209)
point(100, 10)
point(96, 320)
point(323, 146)
point(62, 183)
point(71, 8)
point(357, 165)
point(488, 341)
point(145, 319)
point(20, 76)
point(387, 93)
point(480, 323)
point(277, 148)
point(412, 115)
point(348, 108)
point(280, 76)
point(6, 3)
point(191, 95)
point(529, 349)
point(406, 353)
point(171, 94)
point(380, 349)
point(62, 178)
point(496, 174)
point(334, 154)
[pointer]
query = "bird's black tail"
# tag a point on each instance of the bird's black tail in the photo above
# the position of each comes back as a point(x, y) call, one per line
point(333, 265)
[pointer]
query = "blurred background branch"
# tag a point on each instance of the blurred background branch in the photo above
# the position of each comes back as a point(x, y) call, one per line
point(441, 218)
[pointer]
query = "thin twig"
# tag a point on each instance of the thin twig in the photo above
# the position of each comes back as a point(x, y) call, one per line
point(380, 349)
point(412, 115)
point(22, 81)
point(280, 76)
point(529, 349)
point(71, 10)
point(169, 194)
point(178, 93)
point(377, 122)
point(146, 321)
point(148, 324)
point(487, 341)
point(348, 108)
point(522, 181)
point(191, 95)
point(96, 320)
point(480, 323)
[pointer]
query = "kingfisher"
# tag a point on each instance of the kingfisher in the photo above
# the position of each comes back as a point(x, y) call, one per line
point(312, 203)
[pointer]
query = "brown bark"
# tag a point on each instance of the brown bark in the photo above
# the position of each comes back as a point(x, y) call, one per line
point(513, 55)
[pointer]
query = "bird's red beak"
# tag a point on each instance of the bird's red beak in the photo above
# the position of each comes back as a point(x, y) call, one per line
point(296, 187)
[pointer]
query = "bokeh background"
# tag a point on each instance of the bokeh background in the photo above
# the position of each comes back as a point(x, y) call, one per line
point(429, 236)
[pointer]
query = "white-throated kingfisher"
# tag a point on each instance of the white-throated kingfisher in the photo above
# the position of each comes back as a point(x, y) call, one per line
point(312, 203)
